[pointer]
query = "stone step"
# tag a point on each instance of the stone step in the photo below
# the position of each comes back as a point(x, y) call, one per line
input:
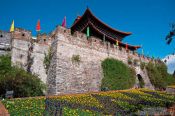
point(144, 75)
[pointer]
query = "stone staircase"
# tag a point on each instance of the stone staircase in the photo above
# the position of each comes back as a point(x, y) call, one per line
point(144, 75)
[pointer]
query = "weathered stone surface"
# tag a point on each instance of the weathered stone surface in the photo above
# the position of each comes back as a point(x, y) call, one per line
point(76, 61)
point(51, 77)
point(22, 34)
point(38, 56)
point(67, 76)
point(5, 42)
point(20, 53)
point(170, 90)
point(28, 55)
point(144, 75)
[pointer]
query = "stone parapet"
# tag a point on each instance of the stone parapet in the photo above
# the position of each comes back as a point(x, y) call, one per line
point(22, 34)
point(81, 40)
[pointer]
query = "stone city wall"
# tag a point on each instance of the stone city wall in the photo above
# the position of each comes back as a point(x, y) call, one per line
point(30, 56)
point(19, 55)
point(77, 62)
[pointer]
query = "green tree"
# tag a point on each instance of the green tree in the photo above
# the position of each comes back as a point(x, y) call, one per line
point(23, 83)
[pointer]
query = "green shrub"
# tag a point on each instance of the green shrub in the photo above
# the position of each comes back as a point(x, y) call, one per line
point(47, 60)
point(142, 65)
point(5, 65)
point(76, 58)
point(117, 75)
point(23, 84)
point(130, 62)
point(158, 75)
point(136, 62)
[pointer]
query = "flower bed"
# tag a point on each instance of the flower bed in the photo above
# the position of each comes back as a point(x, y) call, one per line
point(113, 102)
point(33, 106)
point(94, 104)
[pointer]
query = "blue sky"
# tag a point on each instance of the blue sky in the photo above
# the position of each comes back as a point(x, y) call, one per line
point(148, 20)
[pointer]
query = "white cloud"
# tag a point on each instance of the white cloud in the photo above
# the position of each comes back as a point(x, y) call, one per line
point(170, 62)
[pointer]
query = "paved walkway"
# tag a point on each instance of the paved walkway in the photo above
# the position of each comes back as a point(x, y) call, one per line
point(172, 110)
point(3, 111)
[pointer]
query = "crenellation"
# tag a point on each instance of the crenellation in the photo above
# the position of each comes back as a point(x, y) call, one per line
point(63, 30)
point(22, 34)
point(42, 38)
point(91, 42)
point(82, 41)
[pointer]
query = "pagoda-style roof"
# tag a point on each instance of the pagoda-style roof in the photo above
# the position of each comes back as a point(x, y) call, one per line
point(99, 29)
point(88, 19)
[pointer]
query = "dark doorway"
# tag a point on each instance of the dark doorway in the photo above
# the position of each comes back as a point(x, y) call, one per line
point(141, 82)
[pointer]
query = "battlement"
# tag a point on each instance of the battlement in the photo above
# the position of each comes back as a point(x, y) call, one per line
point(81, 40)
point(26, 35)
point(22, 34)
point(43, 39)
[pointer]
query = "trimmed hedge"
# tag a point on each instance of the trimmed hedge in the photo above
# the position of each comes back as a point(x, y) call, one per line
point(121, 102)
point(117, 75)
